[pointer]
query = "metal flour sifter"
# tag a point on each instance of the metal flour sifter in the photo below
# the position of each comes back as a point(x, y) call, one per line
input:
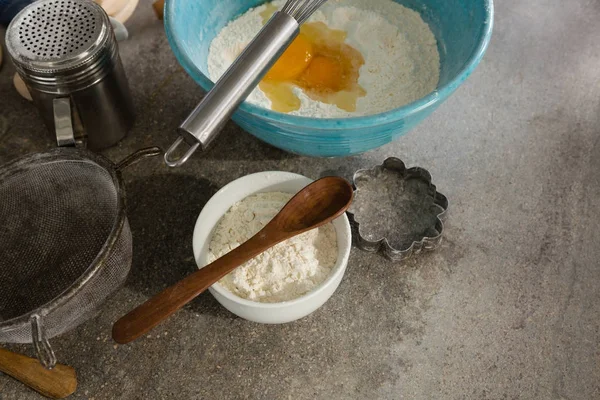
point(65, 242)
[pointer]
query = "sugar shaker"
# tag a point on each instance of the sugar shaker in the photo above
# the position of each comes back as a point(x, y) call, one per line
point(66, 52)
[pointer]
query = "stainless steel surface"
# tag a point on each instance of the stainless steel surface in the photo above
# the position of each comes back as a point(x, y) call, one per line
point(177, 162)
point(69, 205)
point(61, 45)
point(138, 156)
point(402, 202)
point(301, 10)
point(205, 122)
point(106, 108)
point(43, 350)
point(67, 48)
point(63, 121)
point(56, 34)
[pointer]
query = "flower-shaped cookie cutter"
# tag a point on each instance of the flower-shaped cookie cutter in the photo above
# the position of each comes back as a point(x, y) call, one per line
point(391, 195)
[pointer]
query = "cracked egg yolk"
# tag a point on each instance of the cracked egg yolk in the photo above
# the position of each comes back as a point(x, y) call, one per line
point(319, 63)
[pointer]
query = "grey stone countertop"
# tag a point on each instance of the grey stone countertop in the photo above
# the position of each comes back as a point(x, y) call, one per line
point(507, 308)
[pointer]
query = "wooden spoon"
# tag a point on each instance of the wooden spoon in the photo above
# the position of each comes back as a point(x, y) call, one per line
point(56, 383)
point(317, 204)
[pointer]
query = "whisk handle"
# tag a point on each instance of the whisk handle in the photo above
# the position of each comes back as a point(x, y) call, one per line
point(213, 112)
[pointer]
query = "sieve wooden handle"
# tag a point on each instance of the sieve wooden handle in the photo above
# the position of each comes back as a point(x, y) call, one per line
point(56, 383)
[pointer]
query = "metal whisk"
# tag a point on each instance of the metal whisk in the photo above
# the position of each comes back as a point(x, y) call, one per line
point(207, 119)
point(301, 10)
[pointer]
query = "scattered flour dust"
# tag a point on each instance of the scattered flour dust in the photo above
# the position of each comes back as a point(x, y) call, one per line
point(402, 62)
point(285, 271)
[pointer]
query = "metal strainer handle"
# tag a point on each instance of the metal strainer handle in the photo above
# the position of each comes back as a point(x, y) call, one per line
point(138, 156)
point(42, 347)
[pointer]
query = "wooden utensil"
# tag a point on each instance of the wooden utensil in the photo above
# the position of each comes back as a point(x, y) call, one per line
point(158, 7)
point(57, 383)
point(317, 204)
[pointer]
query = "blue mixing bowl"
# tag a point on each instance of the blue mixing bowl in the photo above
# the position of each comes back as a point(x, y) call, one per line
point(462, 27)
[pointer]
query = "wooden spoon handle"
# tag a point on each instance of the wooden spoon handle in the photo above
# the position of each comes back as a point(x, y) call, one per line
point(149, 314)
point(57, 383)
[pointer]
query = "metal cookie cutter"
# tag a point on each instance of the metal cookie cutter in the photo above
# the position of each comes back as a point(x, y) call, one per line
point(397, 210)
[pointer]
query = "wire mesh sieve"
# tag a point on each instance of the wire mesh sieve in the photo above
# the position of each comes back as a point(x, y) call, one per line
point(65, 242)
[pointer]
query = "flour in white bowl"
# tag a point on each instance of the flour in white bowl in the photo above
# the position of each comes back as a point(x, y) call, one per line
point(402, 62)
point(284, 272)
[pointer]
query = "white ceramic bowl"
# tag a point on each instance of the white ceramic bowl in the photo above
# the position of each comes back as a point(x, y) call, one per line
point(268, 313)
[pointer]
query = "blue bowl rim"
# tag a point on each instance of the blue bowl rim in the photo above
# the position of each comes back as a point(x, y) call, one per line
point(391, 116)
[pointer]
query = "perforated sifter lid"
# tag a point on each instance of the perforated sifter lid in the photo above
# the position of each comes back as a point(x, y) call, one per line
point(53, 37)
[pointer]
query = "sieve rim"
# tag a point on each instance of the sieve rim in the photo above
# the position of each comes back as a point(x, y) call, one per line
point(20, 165)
